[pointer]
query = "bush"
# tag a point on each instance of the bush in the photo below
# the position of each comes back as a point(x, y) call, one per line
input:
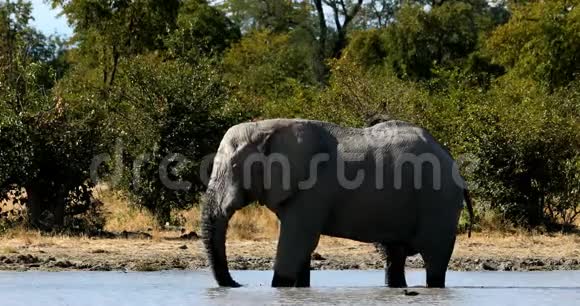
point(265, 67)
point(528, 145)
point(167, 110)
point(540, 41)
point(366, 48)
point(46, 142)
point(445, 36)
point(356, 96)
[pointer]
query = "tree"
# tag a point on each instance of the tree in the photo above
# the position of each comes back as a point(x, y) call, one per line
point(202, 30)
point(169, 117)
point(272, 15)
point(418, 41)
point(378, 13)
point(366, 48)
point(47, 143)
point(539, 41)
point(107, 31)
point(528, 144)
point(263, 68)
point(343, 13)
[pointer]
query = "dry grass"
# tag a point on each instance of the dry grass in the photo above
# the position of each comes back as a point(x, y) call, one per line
point(121, 216)
point(253, 223)
point(23, 234)
point(8, 250)
point(519, 245)
point(190, 219)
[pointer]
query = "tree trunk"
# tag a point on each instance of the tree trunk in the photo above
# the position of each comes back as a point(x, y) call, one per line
point(320, 67)
point(116, 56)
point(59, 209)
point(534, 211)
point(340, 44)
point(41, 200)
point(33, 205)
point(162, 214)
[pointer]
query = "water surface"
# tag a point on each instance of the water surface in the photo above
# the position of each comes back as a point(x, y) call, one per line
point(328, 288)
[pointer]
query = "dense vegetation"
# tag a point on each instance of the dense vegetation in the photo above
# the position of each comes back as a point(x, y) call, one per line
point(149, 85)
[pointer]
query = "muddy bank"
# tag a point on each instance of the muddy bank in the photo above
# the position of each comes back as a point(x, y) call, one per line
point(457, 264)
point(29, 262)
point(169, 253)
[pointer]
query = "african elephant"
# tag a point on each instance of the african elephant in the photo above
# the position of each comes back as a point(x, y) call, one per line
point(391, 184)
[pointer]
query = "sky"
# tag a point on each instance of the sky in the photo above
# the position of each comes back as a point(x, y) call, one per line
point(47, 20)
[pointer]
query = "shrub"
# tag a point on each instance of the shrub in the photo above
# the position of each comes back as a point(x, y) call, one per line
point(528, 146)
point(47, 143)
point(167, 109)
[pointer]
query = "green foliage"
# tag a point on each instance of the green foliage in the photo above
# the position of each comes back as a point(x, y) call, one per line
point(129, 27)
point(272, 15)
point(108, 31)
point(48, 141)
point(540, 40)
point(265, 66)
point(202, 30)
point(356, 95)
point(526, 152)
point(173, 108)
point(366, 48)
point(444, 36)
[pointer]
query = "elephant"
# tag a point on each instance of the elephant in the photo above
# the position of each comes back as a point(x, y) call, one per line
point(391, 184)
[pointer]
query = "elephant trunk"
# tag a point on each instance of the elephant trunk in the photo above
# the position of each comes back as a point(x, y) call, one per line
point(214, 228)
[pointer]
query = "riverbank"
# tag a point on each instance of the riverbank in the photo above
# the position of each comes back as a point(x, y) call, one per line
point(173, 250)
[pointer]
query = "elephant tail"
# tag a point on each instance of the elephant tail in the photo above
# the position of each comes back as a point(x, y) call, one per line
point(469, 204)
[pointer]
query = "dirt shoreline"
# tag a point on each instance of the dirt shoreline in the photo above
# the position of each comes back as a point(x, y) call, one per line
point(484, 253)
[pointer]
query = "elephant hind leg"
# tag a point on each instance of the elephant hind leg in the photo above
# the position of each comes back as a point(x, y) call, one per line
point(395, 265)
point(436, 261)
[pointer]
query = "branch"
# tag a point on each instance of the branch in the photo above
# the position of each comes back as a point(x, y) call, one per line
point(322, 24)
point(354, 11)
point(336, 12)
point(344, 10)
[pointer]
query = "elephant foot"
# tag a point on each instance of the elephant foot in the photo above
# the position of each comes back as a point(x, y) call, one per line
point(304, 275)
point(229, 283)
point(281, 281)
point(435, 281)
point(395, 270)
point(396, 283)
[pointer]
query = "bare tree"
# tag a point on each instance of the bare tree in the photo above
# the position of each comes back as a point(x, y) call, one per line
point(343, 13)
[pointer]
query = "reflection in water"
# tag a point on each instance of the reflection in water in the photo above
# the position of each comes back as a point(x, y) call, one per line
point(329, 288)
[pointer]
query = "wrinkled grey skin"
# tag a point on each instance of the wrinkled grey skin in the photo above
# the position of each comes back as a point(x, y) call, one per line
point(404, 221)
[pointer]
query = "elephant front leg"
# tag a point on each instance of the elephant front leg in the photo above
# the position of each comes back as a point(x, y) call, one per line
point(295, 246)
point(304, 275)
point(395, 266)
point(302, 278)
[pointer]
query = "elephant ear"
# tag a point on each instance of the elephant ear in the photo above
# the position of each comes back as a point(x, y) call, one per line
point(288, 152)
